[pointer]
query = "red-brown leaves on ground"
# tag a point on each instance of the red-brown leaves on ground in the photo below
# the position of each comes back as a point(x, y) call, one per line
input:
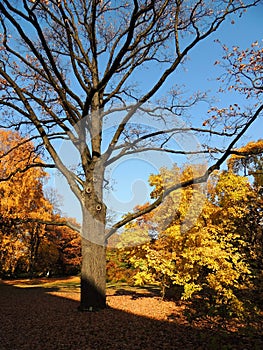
point(37, 315)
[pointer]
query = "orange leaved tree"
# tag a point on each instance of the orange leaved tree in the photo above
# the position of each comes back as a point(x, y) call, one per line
point(22, 202)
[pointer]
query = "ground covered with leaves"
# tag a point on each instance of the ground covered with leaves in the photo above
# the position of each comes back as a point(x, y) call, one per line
point(42, 314)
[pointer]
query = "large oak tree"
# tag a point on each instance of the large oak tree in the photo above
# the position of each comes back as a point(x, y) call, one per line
point(68, 66)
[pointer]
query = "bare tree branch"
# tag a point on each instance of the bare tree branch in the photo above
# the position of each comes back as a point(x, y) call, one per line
point(197, 180)
point(49, 223)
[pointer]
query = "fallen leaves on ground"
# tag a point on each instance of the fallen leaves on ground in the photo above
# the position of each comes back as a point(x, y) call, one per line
point(42, 314)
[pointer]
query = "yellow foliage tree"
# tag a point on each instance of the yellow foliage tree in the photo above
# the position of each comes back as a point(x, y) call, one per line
point(210, 256)
point(22, 200)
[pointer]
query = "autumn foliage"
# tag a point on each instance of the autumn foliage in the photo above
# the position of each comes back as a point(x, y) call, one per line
point(203, 243)
point(27, 245)
point(217, 257)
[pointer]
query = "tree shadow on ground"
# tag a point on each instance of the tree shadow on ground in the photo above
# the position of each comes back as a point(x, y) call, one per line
point(33, 319)
point(138, 292)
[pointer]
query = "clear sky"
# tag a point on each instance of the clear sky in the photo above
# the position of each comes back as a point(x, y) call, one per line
point(130, 176)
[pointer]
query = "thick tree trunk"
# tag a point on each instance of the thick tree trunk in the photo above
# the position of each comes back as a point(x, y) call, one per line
point(93, 271)
point(93, 276)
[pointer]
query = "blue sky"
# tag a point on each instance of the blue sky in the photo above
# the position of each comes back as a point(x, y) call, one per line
point(202, 71)
point(130, 176)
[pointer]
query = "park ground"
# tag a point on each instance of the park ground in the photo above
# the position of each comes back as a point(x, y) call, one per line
point(42, 314)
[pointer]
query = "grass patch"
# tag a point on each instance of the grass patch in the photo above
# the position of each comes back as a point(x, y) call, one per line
point(56, 283)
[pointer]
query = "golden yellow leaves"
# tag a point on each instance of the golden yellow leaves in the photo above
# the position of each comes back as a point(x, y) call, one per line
point(210, 255)
point(22, 205)
point(244, 154)
point(22, 195)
